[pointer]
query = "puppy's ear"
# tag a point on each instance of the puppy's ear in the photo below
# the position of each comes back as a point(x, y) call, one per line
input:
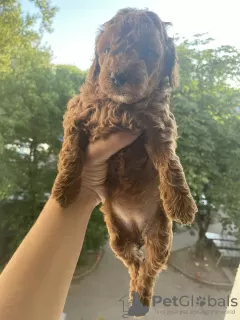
point(170, 60)
point(171, 67)
point(95, 67)
point(155, 19)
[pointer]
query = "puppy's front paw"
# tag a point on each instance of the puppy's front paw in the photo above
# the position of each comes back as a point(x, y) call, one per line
point(180, 208)
point(65, 191)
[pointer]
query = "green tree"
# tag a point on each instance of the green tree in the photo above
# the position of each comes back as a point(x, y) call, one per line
point(18, 29)
point(96, 234)
point(205, 109)
point(20, 45)
point(33, 98)
point(34, 111)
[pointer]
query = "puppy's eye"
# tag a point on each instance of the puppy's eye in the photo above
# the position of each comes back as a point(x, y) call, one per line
point(107, 50)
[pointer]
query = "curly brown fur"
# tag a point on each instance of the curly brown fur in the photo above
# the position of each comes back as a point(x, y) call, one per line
point(126, 90)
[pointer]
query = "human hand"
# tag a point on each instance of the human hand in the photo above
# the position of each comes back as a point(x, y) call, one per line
point(95, 167)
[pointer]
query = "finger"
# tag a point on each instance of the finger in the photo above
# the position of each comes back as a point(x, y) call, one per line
point(102, 150)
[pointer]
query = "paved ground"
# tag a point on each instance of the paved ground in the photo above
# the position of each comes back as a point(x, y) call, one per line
point(97, 296)
point(183, 240)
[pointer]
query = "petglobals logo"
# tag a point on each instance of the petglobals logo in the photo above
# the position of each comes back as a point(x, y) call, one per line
point(192, 301)
point(205, 305)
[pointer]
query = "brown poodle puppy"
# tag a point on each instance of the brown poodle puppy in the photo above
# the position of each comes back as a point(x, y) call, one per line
point(126, 89)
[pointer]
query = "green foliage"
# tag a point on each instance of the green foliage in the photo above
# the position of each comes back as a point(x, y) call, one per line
point(31, 131)
point(96, 234)
point(33, 98)
point(18, 30)
point(205, 110)
point(32, 105)
point(16, 219)
point(46, 13)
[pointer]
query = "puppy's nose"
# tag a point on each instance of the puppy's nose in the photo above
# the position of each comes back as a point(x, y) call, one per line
point(118, 78)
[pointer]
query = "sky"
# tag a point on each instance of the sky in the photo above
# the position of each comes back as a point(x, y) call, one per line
point(77, 21)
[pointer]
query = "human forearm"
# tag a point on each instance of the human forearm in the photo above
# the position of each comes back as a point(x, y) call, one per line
point(35, 283)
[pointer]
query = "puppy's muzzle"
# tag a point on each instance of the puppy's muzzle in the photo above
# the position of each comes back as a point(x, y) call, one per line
point(118, 78)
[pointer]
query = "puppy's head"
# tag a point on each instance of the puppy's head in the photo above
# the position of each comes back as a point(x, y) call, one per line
point(133, 55)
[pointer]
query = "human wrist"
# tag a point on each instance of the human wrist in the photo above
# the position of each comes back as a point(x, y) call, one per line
point(88, 196)
point(85, 202)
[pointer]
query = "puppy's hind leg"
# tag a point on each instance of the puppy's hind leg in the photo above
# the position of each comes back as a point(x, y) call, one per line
point(158, 243)
point(125, 244)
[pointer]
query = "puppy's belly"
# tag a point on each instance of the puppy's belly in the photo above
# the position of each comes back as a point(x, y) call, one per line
point(133, 186)
point(137, 214)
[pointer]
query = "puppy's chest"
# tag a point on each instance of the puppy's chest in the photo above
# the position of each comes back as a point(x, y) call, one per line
point(108, 117)
point(131, 171)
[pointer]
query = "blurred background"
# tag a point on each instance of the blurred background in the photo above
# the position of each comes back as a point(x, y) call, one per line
point(46, 48)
